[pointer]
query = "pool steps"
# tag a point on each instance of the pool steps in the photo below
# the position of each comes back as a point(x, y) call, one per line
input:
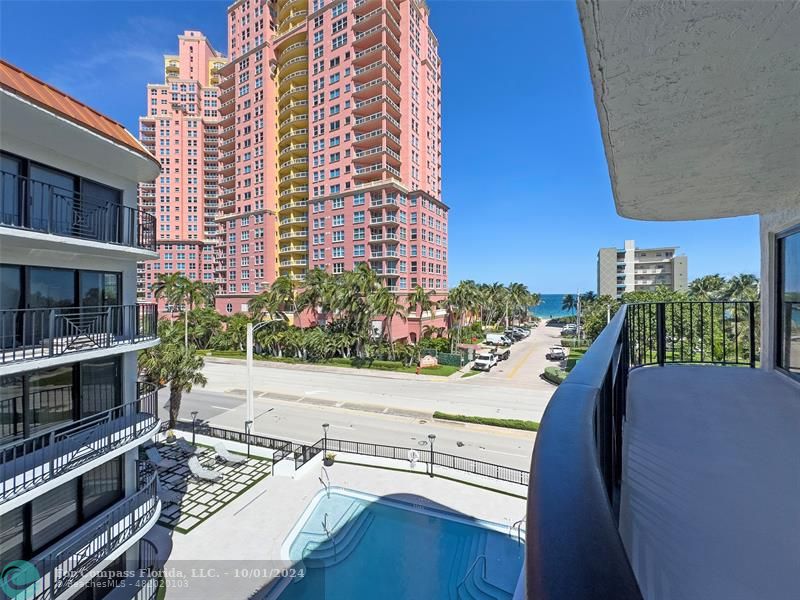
point(333, 551)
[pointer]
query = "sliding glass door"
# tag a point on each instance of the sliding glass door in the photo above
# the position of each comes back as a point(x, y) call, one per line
point(788, 302)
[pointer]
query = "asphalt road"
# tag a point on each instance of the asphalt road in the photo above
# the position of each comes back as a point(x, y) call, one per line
point(292, 402)
point(303, 423)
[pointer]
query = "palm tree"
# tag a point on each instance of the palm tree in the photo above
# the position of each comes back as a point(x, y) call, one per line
point(316, 294)
point(421, 299)
point(709, 287)
point(285, 292)
point(173, 365)
point(519, 299)
point(176, 289)
point(385, 303)
point(743, 287)
point(568, 303)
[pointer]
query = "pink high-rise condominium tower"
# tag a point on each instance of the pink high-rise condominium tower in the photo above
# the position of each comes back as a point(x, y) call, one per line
point(180, 129)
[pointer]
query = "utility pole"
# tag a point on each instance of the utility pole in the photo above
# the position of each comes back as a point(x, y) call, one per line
point(578, 321)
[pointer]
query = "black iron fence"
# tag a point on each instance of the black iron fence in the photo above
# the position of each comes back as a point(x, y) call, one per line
point(26, 463)
point(573, 545)
point(40, 206)
point(302, 453)
point(724, 333)
point(77, 554)
point(28, 334)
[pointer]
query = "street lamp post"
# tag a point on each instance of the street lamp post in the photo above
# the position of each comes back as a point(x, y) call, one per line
point(194, 420)
point(247, 425)
point(251, 329)
point(432, 437)
point(325, 443)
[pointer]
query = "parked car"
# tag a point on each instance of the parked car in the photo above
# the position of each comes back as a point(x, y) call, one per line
point(513, 334)
point(497, 339)
point(485, 361)
point(502, 353)
point(556, 353)
point(522, 331)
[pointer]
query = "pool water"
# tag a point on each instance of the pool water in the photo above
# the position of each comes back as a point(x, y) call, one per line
point(388, 549)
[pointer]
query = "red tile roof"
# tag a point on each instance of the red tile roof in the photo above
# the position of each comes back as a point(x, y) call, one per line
point(37, 91)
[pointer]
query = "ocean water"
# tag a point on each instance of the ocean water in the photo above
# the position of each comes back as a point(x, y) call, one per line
point(550, 306)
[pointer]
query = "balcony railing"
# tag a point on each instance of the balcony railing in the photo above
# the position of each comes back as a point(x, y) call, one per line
point(37, 333)
point(84, 550)
point(574, 549)
point(27, 463)
point(38, 206)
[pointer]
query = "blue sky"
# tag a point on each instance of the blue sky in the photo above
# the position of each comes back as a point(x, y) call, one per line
point(524, 169)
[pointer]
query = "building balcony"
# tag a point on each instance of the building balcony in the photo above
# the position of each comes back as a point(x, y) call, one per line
point(369, 138)
point(72, 562)
point(292, 50)
point(297, 204)
point(377, 103)
point(291, 106)
point(292, 120)
point(294, 220)
point(42, 461)
point(59, 335)
point(298, 262)
point(293, 162)
point(293, 79)
point(666, 464)
point(35, 213)
point(294, 135)
point(296, 176)
point(295, 249)
point(299, 149)
point(291, 65)
point(295, 91)
point(298, 189)
point(294, 234)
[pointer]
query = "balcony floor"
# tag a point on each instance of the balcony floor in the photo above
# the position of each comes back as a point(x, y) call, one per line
point(710, 504)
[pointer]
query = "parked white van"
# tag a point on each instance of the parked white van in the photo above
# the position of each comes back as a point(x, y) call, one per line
point(497, 339)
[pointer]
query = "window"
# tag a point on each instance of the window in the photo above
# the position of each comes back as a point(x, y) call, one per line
point(358, 216)
point(339, 9)
point(788, 302)
point(337, 220)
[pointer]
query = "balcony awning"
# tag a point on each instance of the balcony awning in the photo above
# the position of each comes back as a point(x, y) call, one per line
point(698, 105)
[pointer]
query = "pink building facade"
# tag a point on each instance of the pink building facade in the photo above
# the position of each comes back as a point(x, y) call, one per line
point(331, 136)
point(181, 130)
point(326, 145)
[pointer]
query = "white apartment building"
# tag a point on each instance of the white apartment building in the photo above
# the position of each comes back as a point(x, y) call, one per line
point(632, 269)
point(74, 501)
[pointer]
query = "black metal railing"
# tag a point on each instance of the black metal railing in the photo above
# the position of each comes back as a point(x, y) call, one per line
point(35, 333)
point(80, 552)
point(39, 206)
point(149, 573)
point(302, 453)
point(27, 463)
point(723, 333)
point(574, 548)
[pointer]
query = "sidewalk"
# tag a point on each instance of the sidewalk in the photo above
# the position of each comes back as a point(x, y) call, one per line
point(318, 368)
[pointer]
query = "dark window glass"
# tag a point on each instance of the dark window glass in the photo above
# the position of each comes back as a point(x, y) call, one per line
point(50, 397)
point(52, 195)
point(11, 423)
point(91, 288)
point(53, 514)
point(10, 190)
point(789, 303)
point(11, 535)
point(102, 487)
point(10, 298)
point(99, 389)
point(50, 288)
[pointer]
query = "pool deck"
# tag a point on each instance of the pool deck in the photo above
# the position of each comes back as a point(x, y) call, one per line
point(232, 555)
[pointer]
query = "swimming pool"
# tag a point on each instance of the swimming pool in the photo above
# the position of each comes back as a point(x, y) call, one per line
point(391, 549)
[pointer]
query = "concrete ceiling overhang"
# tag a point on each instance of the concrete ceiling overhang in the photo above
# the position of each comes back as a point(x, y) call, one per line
point(698, 103)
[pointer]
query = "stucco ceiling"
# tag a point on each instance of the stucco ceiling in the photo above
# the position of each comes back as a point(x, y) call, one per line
point(698, 103)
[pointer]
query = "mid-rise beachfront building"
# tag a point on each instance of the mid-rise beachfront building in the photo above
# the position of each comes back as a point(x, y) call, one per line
point(330, 149)
point(180, 129)
point(74, 502)
point(632, 269)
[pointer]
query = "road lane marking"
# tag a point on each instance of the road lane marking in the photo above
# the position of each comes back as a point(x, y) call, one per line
point(520, 363)
point(222, 407)
point(501, 452)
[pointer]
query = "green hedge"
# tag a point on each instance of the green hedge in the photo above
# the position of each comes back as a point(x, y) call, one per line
point(507, 423)
point(555, 375)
